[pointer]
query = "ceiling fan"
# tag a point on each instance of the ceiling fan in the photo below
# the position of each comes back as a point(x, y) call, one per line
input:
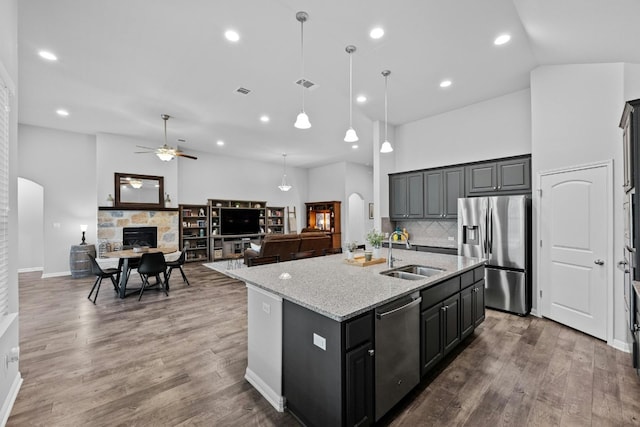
point(166, 152)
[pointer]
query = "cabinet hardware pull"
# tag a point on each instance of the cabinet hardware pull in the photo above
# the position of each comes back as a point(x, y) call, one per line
point(598, 262)
point(371, 352)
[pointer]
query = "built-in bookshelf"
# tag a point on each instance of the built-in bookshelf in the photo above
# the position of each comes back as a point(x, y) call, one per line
point(275, 220)
point(325, 216)
point(194, 232)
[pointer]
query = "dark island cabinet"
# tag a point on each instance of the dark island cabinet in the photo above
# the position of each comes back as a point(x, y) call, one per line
point(498, 177)
point(328, 367)
point(442, 188)
point(451, 310)
point(406, 196)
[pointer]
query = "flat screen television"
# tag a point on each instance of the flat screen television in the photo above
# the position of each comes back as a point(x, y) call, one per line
point(240, 221)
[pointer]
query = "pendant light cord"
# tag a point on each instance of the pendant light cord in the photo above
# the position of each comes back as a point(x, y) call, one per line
point(304, 80)
point(350, 90)
point(385, 107)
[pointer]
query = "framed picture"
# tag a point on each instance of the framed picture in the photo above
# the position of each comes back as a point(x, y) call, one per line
point(370, 210)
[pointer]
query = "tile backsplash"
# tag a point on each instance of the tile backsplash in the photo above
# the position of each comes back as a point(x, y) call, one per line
point(432, 232)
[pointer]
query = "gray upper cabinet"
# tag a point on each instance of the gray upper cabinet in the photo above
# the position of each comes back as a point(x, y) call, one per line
point(406, 196)
point(442, 188)
point(512, 175)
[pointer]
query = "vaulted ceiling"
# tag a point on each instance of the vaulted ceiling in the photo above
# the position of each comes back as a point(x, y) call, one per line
point(123, 63)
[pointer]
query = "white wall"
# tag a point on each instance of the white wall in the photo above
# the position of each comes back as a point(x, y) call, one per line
point(10, 378)
point(576, 110)
point(499, 127)
point(63, 163)
point(116, 153)
point(30, 225)
point(359, 180)
point(222, 177)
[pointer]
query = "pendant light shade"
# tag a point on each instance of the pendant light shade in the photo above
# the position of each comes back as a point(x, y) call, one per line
point(351, 135)
point(283, 185)
point(386, 145)
point(302, 121)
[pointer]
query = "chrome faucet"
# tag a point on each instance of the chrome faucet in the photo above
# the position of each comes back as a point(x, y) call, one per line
point(389, 254)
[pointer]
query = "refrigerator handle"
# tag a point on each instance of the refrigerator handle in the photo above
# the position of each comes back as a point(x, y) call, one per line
point(490, 233)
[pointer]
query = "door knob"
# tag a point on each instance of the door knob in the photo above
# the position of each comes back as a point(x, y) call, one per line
point(598, 262)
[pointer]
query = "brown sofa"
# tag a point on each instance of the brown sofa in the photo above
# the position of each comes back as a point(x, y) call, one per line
point(283, 245)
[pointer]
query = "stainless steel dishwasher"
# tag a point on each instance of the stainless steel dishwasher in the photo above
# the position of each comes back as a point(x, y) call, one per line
point(397, 354)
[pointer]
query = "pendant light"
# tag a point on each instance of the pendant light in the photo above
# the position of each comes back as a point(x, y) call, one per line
point(302, 121)
point(351, 135)
point(386, 145)
point(284, 186)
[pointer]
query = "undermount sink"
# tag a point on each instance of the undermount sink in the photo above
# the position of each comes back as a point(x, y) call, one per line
point(412, 272)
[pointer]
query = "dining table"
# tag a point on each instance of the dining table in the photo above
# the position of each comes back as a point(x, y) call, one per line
point(124, 256)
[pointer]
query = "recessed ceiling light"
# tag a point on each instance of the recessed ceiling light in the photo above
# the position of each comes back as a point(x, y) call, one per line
point(47, 55)
point(354, 146)
point(220, 142)
point(502, 39)
point(376, 33)
point(232, 36)
point(264, 119)
point(63, 113)
point(361, 99)
point(445, 83)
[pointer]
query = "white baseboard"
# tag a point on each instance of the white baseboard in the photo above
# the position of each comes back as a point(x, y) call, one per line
point(263, 388)
point(10, 400)
point(30, 269)
point(621, 345)
point(534, 312)
point(58, 274)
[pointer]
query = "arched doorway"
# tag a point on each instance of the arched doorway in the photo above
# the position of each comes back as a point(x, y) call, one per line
point(30, 226)
point(356, 221)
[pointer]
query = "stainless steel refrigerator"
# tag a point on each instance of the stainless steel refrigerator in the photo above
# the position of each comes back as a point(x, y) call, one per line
point(498, 229)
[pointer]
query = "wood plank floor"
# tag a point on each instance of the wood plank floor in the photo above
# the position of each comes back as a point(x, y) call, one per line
point(180, 360)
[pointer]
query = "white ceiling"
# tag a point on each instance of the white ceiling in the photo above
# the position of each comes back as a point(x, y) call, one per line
point(123, 63)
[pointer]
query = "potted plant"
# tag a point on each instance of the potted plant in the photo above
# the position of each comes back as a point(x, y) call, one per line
point(374, 237)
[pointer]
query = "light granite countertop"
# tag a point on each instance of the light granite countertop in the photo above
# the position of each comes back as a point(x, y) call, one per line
point(335, 289)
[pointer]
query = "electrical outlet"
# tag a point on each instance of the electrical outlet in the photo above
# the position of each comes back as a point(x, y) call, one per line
point(266, 308)
point(451, 239)
point(319, 341)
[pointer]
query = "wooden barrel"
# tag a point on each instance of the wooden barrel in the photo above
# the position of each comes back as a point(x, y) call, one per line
point(79, 261)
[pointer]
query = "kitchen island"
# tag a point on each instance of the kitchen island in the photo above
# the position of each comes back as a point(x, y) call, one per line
point(312, 329)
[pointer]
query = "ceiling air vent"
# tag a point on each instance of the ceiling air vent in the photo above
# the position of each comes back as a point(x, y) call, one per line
point(307, 84)
point(243, 90)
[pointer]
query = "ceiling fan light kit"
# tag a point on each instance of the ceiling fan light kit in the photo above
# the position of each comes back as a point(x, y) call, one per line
point(302, 121)
point(166, 153)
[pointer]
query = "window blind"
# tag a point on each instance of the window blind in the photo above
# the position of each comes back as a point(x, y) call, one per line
point(4, 198)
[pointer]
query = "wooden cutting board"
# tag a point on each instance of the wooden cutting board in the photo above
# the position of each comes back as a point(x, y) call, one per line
point(360, 262)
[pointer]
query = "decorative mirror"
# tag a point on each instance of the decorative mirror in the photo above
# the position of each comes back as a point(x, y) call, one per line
point(139, 191)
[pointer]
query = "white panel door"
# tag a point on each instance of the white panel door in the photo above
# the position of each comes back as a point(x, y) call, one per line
point(574, 268)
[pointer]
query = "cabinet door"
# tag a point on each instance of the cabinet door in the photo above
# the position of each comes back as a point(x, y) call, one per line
point(481, 178)
point(467, 309)
point(415, 196)
point(453, 189)
point(451, 323)
point(359, 384)
point(514, 175)
point(431, 338)
point(433, 194)
point(478, 302)
point(398, 196)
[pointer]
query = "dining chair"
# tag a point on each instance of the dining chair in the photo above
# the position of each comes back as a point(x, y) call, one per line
point(331, 251)
point(271, 259)
point(100, 274)
point(303, 254)
point(178, 263)
point(153, 265)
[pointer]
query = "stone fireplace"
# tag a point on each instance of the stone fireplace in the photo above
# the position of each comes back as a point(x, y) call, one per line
point(113, 221)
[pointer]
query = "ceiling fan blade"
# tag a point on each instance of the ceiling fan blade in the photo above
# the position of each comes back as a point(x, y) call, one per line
point(143, 152)
point(181, 154)
point(146, 148)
